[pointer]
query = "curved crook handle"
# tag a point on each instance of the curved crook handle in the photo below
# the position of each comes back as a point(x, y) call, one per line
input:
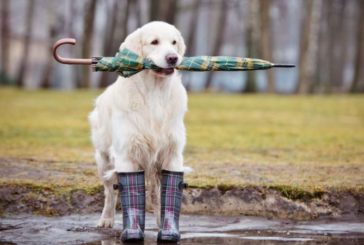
point(69, 61)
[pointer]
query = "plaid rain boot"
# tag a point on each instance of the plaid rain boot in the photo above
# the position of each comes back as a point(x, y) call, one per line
point(171, 198)
point(132, 194)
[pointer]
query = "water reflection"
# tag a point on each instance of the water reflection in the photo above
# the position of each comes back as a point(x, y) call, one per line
point(80, 229)
point(236, 240)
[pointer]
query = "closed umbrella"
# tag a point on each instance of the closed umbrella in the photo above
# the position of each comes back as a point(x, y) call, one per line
point(128, 63)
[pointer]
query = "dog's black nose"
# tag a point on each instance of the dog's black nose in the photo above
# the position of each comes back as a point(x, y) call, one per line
point(171, 59)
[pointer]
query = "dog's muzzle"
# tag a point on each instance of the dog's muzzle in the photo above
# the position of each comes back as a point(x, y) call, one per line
point(171, 59)
point(164, 71)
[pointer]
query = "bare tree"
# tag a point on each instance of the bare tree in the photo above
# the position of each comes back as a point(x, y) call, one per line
point(55, 25)
point(165, 10)
point(341, 45)
point(124, 21)
point(5, 37)
point(308, 47)
point(109, 39)
point(154, 10)
point(191, 38)
point(266, 40)
point(336, 38)
point(88, 23)
point(219, 38)
point(251, 41)
point(171, 10)
point(193, 27)
point(358, 80)
point(112, 13)
point(26, 44)
point(70, 17)
point(138, 12)
point(322, 74)
point(118, 30)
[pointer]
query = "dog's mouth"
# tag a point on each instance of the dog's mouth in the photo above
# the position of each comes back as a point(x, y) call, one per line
point(164, 71)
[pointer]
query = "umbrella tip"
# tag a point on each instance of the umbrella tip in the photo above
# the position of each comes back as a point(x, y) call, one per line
point(284, 65)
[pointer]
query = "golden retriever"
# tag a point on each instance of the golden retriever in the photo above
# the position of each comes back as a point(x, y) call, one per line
point(137, 122)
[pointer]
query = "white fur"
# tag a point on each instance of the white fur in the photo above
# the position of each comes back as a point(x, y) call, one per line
point(137, 123)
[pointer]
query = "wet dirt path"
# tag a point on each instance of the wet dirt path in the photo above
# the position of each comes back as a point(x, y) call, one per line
point(80, 229)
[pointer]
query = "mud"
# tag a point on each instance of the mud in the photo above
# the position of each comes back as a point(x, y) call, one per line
point(271, 203)
point(80, 229)
point(255, 201)
point(59, 188)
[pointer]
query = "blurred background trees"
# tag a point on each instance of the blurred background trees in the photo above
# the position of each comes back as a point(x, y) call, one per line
point(325, 38)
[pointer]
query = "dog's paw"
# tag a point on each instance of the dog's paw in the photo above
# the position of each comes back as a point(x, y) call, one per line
point(105, 222)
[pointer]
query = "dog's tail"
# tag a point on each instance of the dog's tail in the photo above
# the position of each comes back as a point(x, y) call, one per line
point(187, 170)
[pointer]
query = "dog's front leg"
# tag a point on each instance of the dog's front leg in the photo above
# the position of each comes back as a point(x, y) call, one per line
point(170, 160)
point(171, 190)
point(172, 155)
point(171, 198)
point(131, 184)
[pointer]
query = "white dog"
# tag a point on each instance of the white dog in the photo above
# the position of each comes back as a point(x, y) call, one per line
point(137, 123)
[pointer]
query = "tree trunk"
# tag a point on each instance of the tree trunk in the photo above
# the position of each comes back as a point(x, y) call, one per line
point(110, 29)
point(124, 21)
point(191, 41)
point(88, 23)
point(138, 12)
point(108, 40)
point(358, 80)
point(121, 30)
point(308, 47)
point(53, 29)
point(5, 38)
point(120, 33)
point(154, 8)
point(26, 47)
point(193, 28)
point(266, 41)
point(70, 16)
point(219, 39)
point(322, 53)
point(340, 50)
point(251, 43)
point(164, 10)
point(335, 38)
point(171, 11)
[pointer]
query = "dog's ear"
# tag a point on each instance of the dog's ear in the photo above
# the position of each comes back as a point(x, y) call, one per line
point(133, 42)
point(181, 46)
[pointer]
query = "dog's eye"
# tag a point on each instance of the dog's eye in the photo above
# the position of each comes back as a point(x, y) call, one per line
point(155, 42)
point(174, 42)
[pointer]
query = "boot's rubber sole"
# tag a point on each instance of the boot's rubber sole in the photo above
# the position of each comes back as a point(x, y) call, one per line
point(134, 240)
point(132, 237)
point(168, 238)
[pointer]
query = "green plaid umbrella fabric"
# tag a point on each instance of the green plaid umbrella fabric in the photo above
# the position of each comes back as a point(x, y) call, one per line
point(128, 63)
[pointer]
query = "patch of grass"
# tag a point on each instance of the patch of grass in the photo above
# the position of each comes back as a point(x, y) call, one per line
point(307, 143)
point(296, 193)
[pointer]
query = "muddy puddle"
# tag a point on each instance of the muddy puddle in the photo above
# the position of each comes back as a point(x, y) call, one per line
point(80, 229)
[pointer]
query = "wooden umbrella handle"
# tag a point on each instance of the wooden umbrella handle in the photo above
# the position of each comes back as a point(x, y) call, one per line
point(69, 61)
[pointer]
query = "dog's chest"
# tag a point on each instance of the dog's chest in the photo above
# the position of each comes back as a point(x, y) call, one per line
point(159, 114)
point(153, 113)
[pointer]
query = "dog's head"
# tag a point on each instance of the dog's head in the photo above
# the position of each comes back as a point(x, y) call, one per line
point(160, 42)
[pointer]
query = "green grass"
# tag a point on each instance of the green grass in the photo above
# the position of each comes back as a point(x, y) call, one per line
point(305, 142)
